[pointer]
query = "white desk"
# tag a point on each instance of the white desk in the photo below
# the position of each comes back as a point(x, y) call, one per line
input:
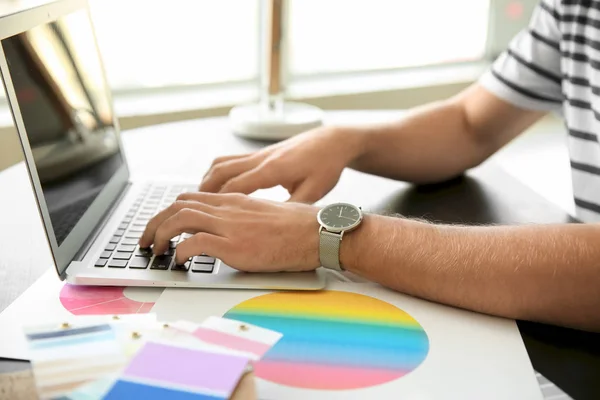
point(186, 150)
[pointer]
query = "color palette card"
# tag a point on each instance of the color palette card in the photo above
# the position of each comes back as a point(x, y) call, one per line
point(66, 357)
point(168, 371)
point(79, 351)
point(230, 334)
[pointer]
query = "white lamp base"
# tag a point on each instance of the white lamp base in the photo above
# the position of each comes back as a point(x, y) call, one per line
point(256, 121)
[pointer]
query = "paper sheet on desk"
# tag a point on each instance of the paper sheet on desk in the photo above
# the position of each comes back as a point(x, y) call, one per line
point(49, 299)
point(357, 341)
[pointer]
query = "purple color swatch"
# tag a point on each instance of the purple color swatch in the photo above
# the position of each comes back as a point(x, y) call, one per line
point(169, 365)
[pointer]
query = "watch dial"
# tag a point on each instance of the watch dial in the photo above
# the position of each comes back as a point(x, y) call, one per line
point(340, 216)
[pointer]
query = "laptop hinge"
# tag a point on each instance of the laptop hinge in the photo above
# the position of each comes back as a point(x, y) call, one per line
point(85, 247)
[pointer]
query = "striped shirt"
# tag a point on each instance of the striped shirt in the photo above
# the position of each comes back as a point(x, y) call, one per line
point(554, 65)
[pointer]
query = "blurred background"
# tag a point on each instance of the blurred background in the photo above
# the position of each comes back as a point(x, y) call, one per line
point(182, 59)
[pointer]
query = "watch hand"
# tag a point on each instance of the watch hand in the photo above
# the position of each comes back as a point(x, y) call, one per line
point(340, 212)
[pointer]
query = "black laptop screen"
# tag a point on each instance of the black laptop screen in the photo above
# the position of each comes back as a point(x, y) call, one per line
point(65, 106)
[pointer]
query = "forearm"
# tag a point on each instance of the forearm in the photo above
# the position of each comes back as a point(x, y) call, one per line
point(417, 148)
point(439, 141)
point(541, 273)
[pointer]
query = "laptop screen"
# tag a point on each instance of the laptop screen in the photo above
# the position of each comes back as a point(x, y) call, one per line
point(66, 109)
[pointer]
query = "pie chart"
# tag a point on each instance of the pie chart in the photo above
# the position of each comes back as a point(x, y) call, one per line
point(334, 340)
point(102, 300)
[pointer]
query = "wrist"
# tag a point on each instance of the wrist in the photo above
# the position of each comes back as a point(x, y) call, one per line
point(355, 140)
point(357, 244)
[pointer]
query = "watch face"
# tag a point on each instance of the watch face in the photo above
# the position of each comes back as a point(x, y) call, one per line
point(340, 217)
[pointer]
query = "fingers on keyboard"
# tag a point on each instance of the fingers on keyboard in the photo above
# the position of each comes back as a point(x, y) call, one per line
point(123, 251)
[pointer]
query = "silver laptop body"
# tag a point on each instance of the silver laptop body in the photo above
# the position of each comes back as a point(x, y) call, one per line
point(93, 215)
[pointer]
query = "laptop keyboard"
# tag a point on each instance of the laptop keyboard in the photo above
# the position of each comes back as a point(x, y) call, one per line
point(123, 251)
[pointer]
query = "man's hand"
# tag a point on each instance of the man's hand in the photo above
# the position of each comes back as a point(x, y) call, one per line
point(308, 165)
point(248, 234)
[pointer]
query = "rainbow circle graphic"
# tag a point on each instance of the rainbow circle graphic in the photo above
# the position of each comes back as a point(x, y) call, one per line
point(334, 340)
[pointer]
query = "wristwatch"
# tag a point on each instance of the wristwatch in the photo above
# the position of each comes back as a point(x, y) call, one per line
point(335, 220)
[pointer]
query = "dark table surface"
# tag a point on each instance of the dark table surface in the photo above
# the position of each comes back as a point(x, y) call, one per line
point(486, 195)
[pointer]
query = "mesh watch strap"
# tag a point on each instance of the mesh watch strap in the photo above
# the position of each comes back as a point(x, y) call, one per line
point(329, 249)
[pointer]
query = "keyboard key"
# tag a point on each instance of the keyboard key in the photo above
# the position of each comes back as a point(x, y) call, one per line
point(139, 229)
point(115, 239)
point(121, 256)
point(101, 262)
point(204, 260)
point(181, 267)
point(143, 252)
point(106, 254)
point(117, 263)
point(130, 215)
point(127, 219)
point(206, 268)
point(161, 262)
point(169, 252)
point(110, 247)
point(133, 235)
point(126, 248)
point(139, 262)
point(119, 232)
point(123, 226)
point(129, 242)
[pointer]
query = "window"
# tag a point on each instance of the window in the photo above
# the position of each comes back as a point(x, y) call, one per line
point(174, 44)
point(156, 44)
point(333, 36)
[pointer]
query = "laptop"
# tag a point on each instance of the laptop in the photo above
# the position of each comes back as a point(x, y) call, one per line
point(92, 213)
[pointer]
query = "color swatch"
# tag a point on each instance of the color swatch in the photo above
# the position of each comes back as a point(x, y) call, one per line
point(99, 300)
point(64, 358)
point(160, 371)
point(249, 339)
point(334, 340)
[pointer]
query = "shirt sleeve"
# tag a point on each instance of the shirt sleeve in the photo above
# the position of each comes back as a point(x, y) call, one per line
point(528, 73)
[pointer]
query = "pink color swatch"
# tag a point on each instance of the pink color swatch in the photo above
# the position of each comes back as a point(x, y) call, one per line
point(232, 341)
